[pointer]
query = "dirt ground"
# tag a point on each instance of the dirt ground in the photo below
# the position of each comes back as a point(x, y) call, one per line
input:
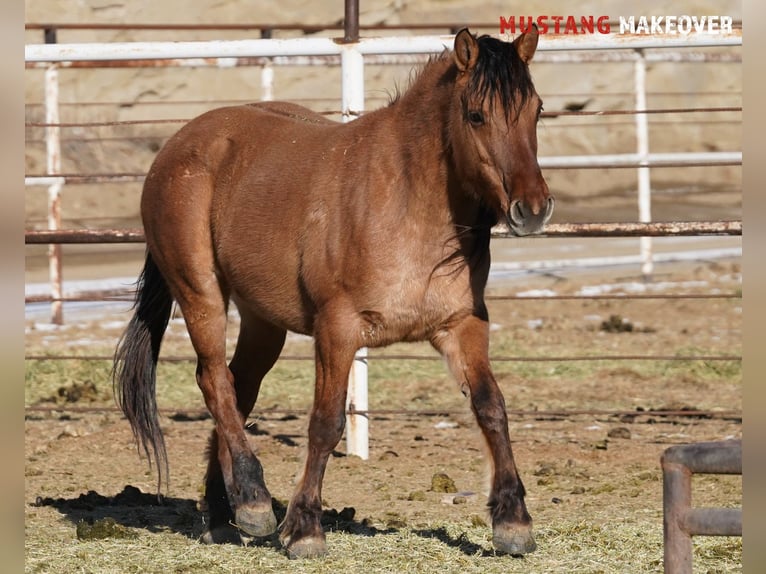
point(587, 440)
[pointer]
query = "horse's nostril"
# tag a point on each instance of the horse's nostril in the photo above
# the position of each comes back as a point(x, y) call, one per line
point(517, 212)
point(549, 207)
point(524, 220)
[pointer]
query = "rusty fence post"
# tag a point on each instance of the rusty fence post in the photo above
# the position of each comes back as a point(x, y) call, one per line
point(680, 520)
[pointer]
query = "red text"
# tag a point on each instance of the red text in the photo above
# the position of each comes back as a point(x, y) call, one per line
point(556, 24)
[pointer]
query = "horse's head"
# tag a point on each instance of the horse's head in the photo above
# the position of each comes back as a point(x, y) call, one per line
point(493, 129)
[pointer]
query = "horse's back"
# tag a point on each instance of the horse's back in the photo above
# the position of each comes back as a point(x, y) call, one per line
point(228, 155)
point(232, 193)
point(221, 135)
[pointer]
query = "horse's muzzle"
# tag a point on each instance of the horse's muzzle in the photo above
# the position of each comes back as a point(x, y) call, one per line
point(523, 221)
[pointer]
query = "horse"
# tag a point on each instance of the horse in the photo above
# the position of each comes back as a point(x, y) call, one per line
point(359, 234)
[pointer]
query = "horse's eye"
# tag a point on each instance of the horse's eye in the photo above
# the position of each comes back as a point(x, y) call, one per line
point(475, 117)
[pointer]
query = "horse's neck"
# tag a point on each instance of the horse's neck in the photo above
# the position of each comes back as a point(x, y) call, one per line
point(423, 110)
point(438, 206)
point(423, 117)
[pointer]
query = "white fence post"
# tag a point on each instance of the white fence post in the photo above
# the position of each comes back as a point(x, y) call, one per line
point(53, 164)
point(267, 83)
point(352, 81)
point(357, 425)
point(644, 180)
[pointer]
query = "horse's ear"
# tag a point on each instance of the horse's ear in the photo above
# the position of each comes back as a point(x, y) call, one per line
point(466, 50)
point(526, 44)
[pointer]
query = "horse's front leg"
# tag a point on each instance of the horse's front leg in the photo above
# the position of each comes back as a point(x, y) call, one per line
point(301, 532)
point(465, 346)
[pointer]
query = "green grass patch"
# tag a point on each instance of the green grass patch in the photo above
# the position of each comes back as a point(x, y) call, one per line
point(393, 383)
point(51, 382)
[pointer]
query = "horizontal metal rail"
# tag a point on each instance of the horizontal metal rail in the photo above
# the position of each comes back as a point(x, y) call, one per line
point(127, 295)
point(272, 26)
point(629, 229)
point(372, 97)
point(548, 114)
point(633, 160)
point(539, 414)
point(609, 161)
point(402, 357)
point(392, 59)
point(317, 46)
point(268, 26)
point(158, 137)
point(80, 236)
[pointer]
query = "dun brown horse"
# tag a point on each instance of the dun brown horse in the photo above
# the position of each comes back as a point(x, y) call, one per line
point(358, 234)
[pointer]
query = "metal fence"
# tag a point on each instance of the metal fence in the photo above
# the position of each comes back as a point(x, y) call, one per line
point(681, 520)
point(352, 56)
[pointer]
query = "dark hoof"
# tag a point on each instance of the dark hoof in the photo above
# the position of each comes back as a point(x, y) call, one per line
point(256, 521)
point(308, 547)
point(514, 539)
point(221, 535)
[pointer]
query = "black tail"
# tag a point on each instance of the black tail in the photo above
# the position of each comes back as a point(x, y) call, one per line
point(135, 363)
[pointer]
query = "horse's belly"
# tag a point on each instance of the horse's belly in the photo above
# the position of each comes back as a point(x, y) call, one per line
point(268, 287)
point(414, 315)
point(276, 308)
point(405, 325)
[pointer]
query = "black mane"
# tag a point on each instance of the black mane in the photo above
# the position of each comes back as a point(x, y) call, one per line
point(500, 72)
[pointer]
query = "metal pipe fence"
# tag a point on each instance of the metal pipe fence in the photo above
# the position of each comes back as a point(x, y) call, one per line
point(681, 520)
point(629, 229)
point(352, 56)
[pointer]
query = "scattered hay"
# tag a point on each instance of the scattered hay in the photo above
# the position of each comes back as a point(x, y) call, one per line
point(545, 469)
point(616, 324)
point(86, 391)
point(417, 495)
point(102, 529)
point(441, 482)
point(619, 432)
point(395, 520)
point(603, 488)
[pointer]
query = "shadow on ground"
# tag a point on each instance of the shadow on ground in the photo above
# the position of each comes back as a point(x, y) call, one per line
point(98, 516)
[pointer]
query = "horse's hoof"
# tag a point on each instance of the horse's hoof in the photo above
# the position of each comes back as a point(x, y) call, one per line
point(256, 521)
point(221, 535)
point(514, 539)
point(308, 547)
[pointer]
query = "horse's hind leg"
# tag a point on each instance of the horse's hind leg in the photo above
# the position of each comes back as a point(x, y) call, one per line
point(465, 347)
point(258, 348)
point(176, 211)
point(203, 301)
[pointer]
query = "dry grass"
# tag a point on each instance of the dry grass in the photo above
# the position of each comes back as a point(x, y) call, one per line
point(587, 546)
point(596, 500)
